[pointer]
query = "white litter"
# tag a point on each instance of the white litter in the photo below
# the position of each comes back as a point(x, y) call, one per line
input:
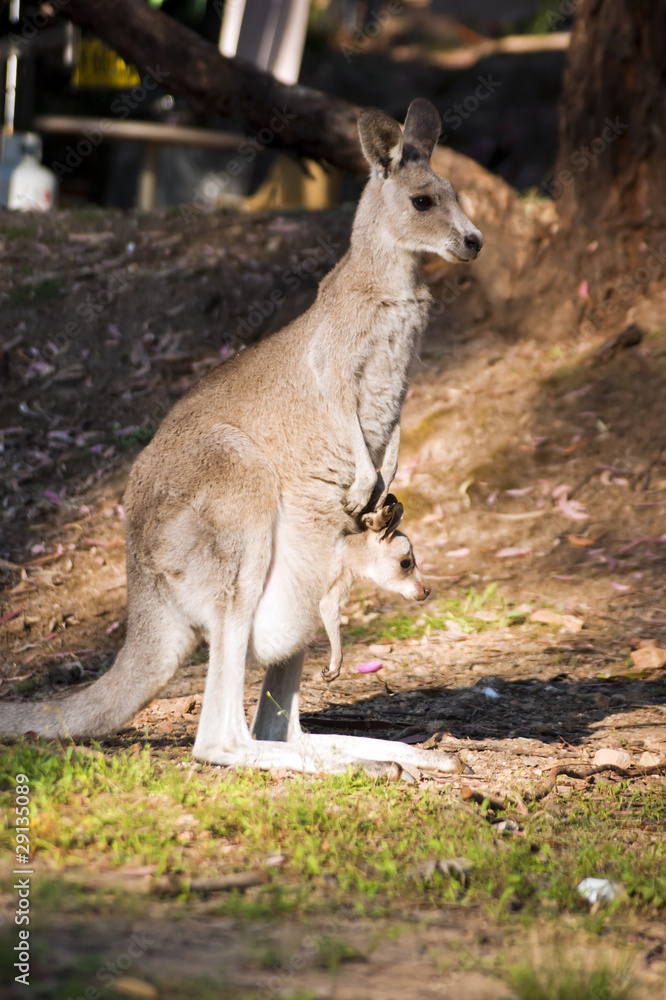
point(598, 890)
point(490, 692)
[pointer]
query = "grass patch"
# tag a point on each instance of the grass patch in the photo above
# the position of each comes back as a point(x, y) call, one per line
point(140, 436)
point(456, 613)
point(569, 978)
point(20, 232)
point(346, 840)
point(40, 291)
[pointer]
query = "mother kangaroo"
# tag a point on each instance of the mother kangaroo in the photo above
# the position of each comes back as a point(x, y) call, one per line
point(237, 507)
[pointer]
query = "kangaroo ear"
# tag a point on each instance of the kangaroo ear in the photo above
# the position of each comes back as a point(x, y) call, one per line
point(394, 520)
point(421, 131)
point(381, 139)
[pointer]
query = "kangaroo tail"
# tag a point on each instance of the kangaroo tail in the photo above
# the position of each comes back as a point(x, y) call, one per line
point(150, 656)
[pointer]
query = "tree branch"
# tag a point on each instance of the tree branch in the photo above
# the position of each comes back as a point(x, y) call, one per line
point(318, 127)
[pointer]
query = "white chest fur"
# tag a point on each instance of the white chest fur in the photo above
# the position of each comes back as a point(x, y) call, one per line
point(383, 377)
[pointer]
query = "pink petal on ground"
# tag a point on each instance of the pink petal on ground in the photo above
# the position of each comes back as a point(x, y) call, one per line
point(457, 553)
point(583, 290)
point(572, 509)
point(561, 491)
point(510, 553)
point(619, 586)
point(370, 668)
point(519, 493)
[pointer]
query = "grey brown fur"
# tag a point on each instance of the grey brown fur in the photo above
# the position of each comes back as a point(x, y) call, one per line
point(235, 508)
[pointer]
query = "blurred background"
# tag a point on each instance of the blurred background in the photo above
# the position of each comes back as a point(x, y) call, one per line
point(374, 53)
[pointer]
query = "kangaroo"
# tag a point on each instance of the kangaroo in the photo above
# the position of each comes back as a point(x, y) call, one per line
point(380, 553)
point(235, 507)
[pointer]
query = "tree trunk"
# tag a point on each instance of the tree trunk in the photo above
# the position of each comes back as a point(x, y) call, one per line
point(612, 159)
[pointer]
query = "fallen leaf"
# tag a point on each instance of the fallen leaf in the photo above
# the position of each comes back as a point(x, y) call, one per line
point(572, 509)
point(131, 987)
point(370, 668)
point(607, 755)
point(6, 564)
point(11, 614)
point(506, 826)
point(457, 867)
point(23, 587)
point(579, 541)
point(648, 759)
point(545, 616)
point(649, 658)
point(437, 515)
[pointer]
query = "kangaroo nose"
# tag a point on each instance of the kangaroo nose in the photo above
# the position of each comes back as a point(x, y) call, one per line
point(426, 593)
point(474, 242)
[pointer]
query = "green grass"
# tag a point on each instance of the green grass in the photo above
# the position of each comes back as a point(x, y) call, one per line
point(19, 232)
point(457, 610)
point(40, 291)
point(568, 977)
point(346, 840)
point(141, 436)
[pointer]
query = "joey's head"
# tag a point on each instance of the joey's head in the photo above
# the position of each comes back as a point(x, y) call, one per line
point(389, 557)
point(417, 209)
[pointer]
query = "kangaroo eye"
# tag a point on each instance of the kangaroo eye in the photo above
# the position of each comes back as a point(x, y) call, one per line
point(406, 563)
point(422, 202)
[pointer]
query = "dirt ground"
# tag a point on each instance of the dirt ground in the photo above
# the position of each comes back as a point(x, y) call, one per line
point(531, 464)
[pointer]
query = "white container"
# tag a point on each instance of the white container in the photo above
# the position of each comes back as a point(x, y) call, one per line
point(26, 185)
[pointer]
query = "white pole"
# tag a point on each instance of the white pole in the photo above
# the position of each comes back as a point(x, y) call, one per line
point(12, 72)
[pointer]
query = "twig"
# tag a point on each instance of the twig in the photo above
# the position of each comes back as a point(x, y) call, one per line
point(498, 803)
point(588, 772)
point(173, 885)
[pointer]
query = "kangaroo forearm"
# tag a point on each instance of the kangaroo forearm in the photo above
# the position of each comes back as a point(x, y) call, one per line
point(390, 460)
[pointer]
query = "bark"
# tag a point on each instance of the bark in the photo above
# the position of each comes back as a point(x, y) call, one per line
point(613, 116)
point(317, 127)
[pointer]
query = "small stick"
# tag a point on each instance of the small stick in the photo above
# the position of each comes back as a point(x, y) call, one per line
point(497, 803)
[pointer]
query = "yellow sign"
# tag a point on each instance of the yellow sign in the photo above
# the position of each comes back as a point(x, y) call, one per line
point(100, 66)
